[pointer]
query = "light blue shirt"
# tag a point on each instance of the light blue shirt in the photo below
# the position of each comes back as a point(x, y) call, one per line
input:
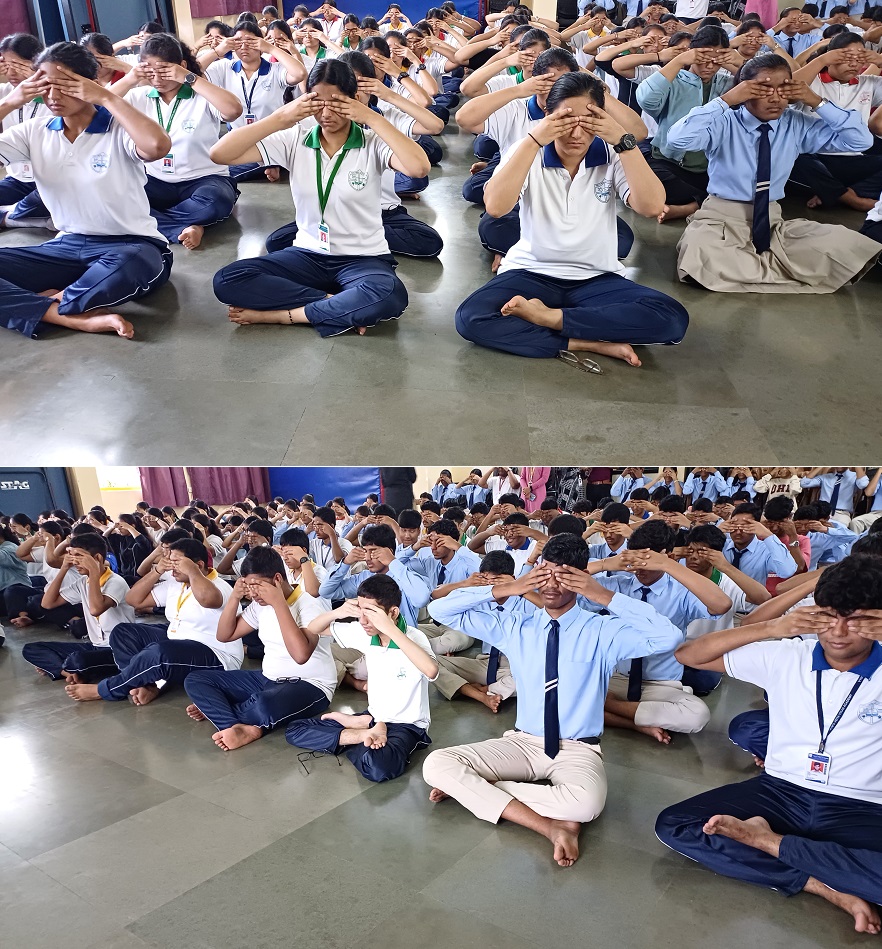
point(827, 482)
point(590, 647)
point(762, 557)
point(671, 599)
point(832, 546)
point(801, 41)
point(732, 486)
point(710, 487)
point(415, 594)
point(12, 570)
point(730, 138)
point(462, 565)
point(622, 487)
point(602, 551)
point(877, 497)
point(441, 493)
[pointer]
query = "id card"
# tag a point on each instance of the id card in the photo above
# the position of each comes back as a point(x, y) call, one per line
point(27, 172)
point(168, 164)
point(324, 236)
point(250, 118)
point(817, 768)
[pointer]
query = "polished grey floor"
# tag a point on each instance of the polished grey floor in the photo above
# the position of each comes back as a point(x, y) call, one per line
point(123, 828)
point(771, 376)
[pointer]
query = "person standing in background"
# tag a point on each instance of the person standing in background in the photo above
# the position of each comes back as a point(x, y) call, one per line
point(397, 486)
point(533, 481)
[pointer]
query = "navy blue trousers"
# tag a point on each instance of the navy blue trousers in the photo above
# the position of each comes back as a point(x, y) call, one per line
point(93, 272)
point(500, 234)
point(873, 229)
point(473, 189)
point(380, 764)
point(366, 290)
point(608, 308)
point(25, 197)
point(439, 109)
point(453, 80)
point(25, 598)
point(250, 698)
point(178, 204)
point(447, 99)
point(486, 148)
point(431, 148)
point(701, 681)
point(826, 836)
point(404, 184)
point(251, 171)
point(144, 654)
point(92, 662)
point(830, 176)
point(406, 236)
point(750, 731)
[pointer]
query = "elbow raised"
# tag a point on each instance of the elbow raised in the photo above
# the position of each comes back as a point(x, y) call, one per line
point(161, 147)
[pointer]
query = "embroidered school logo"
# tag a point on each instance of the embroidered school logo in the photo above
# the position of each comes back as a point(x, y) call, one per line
point(188, 125)
point(402, 673)
point(603, 190)
point(358, 179)
point(871, 713)
point(100, 162)
point(267, 85)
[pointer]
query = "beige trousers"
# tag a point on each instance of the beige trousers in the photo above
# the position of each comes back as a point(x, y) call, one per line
point(443, 639)
point(456, 671)
point(348, 660)
point(863, 521)
point(664, 704)
point(578, 781)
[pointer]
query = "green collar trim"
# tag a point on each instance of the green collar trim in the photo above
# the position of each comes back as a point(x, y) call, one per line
point(401, 624)
point(716, 576)
point(355, 139)
point(185, 92)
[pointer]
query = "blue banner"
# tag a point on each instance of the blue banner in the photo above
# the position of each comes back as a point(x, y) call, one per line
point(353, 484)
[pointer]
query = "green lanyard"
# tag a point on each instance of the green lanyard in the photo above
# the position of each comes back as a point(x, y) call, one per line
point(325, 193)
point(171, 118)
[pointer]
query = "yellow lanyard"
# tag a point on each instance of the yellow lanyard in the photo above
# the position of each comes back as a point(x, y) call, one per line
point(102, 580)
point(182, 599)
point(295, 595)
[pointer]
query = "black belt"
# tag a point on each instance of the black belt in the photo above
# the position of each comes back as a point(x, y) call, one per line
point(593, 740)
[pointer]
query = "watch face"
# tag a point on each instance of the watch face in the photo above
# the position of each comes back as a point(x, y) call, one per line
point(304, 560)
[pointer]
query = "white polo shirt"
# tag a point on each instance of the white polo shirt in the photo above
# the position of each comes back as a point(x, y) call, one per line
point(92, 186)
point(875, 214)
point(319, 669)
point(698, 627)
point(691, 9)
point(323, 555)
point(397, 690)
point(194, 128)
point(863, 96)
point(389, 200)
point(568, 226)
point(21, 170)
point(188, 620)
point(520, 555)
point(503, 81)
point(786, 670)
point(333, 29)
point(100, 627)
point(309, 60)
point(260, 95)
point(510, 124)
point(353, 213)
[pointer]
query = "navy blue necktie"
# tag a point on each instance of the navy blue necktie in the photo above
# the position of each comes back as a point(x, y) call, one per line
point(702, 486)
point(627, 494)
point(493, 664)
point(736, 557)
point(834, 497)
point(790, 40)
point(552, 722)
point(442, 573)
point(762, 230)
point(639, 7)
point(635, 673)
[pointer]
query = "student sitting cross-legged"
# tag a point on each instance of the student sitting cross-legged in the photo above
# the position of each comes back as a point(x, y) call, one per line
point(562, 658)
point(298, 677)
point(151, 655)
point(103, 595)
point(812, 822)
point(339, 275)
point(561, 288)
point(400, 665)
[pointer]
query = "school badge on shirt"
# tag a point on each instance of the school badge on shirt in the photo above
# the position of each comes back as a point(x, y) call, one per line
point(100, 162)
point(358, 179)
point(871, 713)
point(603, 189)
point(189, 126)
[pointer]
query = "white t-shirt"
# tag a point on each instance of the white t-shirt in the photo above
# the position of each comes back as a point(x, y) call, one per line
point(356, 226)
point(875, 213)
point(322, 554)
point(862, 97)
point(503, 81)
point(93, 185)
point(784, 670)
point(568, 226)
point(260, 95)
point(100, 627)
point(510, 124)
point(21, 170)
point(520, 556)
point(193, 130)
point(397, 690)
point(698, 627)
point(389, 200)
point(691, 9)
point(188, 620)
point(278, 663)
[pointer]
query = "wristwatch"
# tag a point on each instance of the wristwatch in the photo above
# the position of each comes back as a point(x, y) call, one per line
point(823, 101)
point(304, 560)
point(403, 74)
point(626, 143)
point(190, 78)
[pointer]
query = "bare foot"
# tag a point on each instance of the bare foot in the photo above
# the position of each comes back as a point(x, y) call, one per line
point(347, 721)
point(144, 694)
point(21, 622)
point(813, 202)
point(71, 678)
point(245, 317)
point(752, 832)
point(235, 737)
point(533, 311)
point(497, 260)
point(191, 237)
point(353, 683)
point(195, 714)
point(361, 330)
point(492, 701)
point(272, 174)
point(83, 693)
point(408, 195)
point(565, 837)
point(759, 761)
point(865, 915)
point(659, 734)
point(478, 166)
point(622, 351)
point(436, 796)
point(375, 737)
point(108, 323)
point(676, 212)
point(43, 672)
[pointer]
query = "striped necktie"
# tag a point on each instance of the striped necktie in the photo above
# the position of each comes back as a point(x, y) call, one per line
point(834, 497)
point(552, 721)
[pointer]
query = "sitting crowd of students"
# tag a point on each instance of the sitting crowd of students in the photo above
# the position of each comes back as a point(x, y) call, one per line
point(667, 115)
point(622, 611)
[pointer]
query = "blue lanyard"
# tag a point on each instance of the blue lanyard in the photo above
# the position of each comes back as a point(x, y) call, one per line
point(839, 714)
point(247, 95)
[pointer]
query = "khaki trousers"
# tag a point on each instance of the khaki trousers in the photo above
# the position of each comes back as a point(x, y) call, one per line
point(578, 781)
point(348, 660)
point(456, 671)
point(862, 522)
point(664, 704)
point(443, 639)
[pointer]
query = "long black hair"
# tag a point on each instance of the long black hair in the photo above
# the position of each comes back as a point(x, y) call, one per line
point(73, 57)
point(22, 45)
point(334, 72)
point(573, 84)
point(170, 49)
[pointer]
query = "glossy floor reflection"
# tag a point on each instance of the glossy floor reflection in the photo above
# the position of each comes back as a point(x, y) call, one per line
point(194, 387)
point(123, 828)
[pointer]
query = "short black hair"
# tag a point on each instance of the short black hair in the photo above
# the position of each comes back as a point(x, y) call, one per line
point(549, 504)
point(672, 504)
point(479, 507)
point(380, 535)
point(264, 562)
point(409, 519)
point(511, 498)
point(432, 506)
point(572, 85)
point(566, 549)
point(445, 527)
point(806, 512)
point(707, 535)
point(703, 505)
point(854, 583)
point(383, 510)
point(778, 509)
point(567, 524)
point(710, 37)
point(723, 499)
point(498, 561)
point(295, 537)
point(653, 535)
point(517, 518)
point(327, 515)
point(262, 527)
point(871, 544)
point(616, 513)
point(747, 508)
point(382, 589)
point(91, 543)
point(639, 494)
point(192, 549)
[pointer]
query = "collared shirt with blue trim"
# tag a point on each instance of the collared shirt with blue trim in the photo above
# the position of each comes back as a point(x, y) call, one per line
point(511, 123)
point(265, 89)
point(342, 584)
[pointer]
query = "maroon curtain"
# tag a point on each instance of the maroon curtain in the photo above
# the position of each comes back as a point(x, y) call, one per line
point(213, 8)
point(15, 17)
point(226, 485)
point(162, 486)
